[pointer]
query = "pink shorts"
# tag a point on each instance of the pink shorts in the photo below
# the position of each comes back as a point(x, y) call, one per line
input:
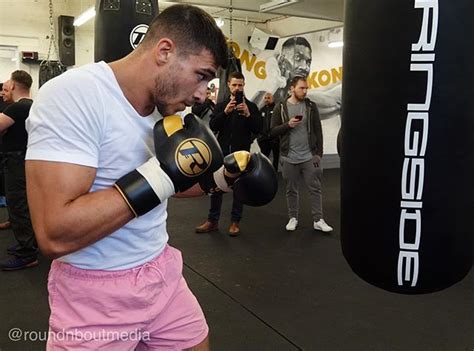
point(145, 308)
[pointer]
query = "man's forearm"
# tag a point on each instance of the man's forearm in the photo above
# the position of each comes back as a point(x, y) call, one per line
point(81, 222)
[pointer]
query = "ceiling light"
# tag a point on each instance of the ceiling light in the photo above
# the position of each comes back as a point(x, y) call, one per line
point(336, 44)
point(276, 4)
point(335, 38)
point(84, 17)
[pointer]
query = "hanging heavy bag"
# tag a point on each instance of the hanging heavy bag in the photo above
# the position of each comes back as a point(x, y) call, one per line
point(50, 69)
point(121, 25)
point(407, 143)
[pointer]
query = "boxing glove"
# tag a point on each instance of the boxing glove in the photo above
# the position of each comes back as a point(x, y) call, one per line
point(184, 152)
point(257, 184)
point(251, 177)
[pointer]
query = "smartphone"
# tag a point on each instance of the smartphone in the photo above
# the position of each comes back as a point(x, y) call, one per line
point(239, 97)
point(299, 117)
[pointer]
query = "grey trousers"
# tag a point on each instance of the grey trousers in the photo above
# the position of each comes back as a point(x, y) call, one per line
point(294, 174)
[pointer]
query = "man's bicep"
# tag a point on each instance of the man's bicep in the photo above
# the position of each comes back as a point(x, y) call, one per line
point(52, 185)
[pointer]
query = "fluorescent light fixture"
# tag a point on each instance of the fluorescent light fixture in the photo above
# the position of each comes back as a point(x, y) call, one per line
point(335, 38)
point(276, 4)
point(220, 22)
point(84, 17)
point(336, 44)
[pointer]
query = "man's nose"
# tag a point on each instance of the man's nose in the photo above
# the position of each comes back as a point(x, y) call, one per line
point(200, 95)
point(303, 64)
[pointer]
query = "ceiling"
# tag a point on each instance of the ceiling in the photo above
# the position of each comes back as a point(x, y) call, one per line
point(315, 9)
point(315, 14)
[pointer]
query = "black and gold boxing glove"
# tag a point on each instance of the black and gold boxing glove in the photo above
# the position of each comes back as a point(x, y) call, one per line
point(184, 152)
point(251, 177)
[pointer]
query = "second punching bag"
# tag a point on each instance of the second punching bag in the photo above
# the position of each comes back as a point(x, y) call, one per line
point(407, 166)
point(120, 26)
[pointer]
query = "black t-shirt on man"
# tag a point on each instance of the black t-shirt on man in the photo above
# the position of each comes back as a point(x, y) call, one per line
point(16, 137)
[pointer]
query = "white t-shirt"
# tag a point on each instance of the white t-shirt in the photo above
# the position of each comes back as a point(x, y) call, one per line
point(82, 117)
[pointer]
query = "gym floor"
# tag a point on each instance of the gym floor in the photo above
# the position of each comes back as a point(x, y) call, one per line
point(269, 289)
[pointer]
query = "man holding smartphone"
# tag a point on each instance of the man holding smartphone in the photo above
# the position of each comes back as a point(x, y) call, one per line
point(296, 121)
point(234, 120)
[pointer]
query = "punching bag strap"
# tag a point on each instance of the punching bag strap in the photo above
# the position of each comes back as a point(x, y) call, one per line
point(50, 69)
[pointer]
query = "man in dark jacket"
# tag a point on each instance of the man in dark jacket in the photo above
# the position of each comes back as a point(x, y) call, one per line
point(234, 122)
point(206, 109)
point(266, 142)
point(296, 121)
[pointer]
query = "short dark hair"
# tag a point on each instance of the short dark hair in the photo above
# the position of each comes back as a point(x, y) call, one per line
point(236, 75)
point(293, 41)
point(192, 29)
point(23, 78)
point(296, 79)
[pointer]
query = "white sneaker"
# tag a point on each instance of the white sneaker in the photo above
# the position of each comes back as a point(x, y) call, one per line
point(322, 226)
point(292, 224)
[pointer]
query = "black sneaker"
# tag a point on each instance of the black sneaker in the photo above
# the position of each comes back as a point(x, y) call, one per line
point(19, 263)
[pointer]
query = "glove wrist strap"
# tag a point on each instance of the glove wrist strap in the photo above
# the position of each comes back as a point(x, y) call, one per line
point(145, 187)
point(220, 180)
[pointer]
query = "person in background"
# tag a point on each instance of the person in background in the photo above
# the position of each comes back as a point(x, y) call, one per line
point(234, 122)
point(266, 142)
point(12, 123)
point(206, 109)
point(3, 202)
point(296, 122)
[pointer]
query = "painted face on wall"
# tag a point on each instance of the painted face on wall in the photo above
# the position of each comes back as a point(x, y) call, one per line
point(295, 60)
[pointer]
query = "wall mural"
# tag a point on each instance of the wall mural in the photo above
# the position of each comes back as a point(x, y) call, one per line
point(305, 55)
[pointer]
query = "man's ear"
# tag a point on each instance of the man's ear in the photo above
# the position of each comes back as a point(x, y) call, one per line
point(163, 51)
point(280, 58)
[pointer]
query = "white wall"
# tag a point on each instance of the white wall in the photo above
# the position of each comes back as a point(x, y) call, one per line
point(24, 24)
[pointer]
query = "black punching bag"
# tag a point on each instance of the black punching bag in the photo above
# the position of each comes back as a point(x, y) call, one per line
point(407, 165)
point(120, 26)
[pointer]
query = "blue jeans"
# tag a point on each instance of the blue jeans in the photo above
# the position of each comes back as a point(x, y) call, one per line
point(215, 210)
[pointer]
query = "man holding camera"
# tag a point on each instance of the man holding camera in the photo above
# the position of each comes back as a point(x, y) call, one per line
point(234, 121)
point(296, 121)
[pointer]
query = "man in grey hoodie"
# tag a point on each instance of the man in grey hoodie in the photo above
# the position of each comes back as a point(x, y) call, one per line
point(296, 122)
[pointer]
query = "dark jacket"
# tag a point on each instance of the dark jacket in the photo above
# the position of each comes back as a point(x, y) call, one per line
point(234, 132)
point(281, 128)
point(266, 112)
point(201, 110)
